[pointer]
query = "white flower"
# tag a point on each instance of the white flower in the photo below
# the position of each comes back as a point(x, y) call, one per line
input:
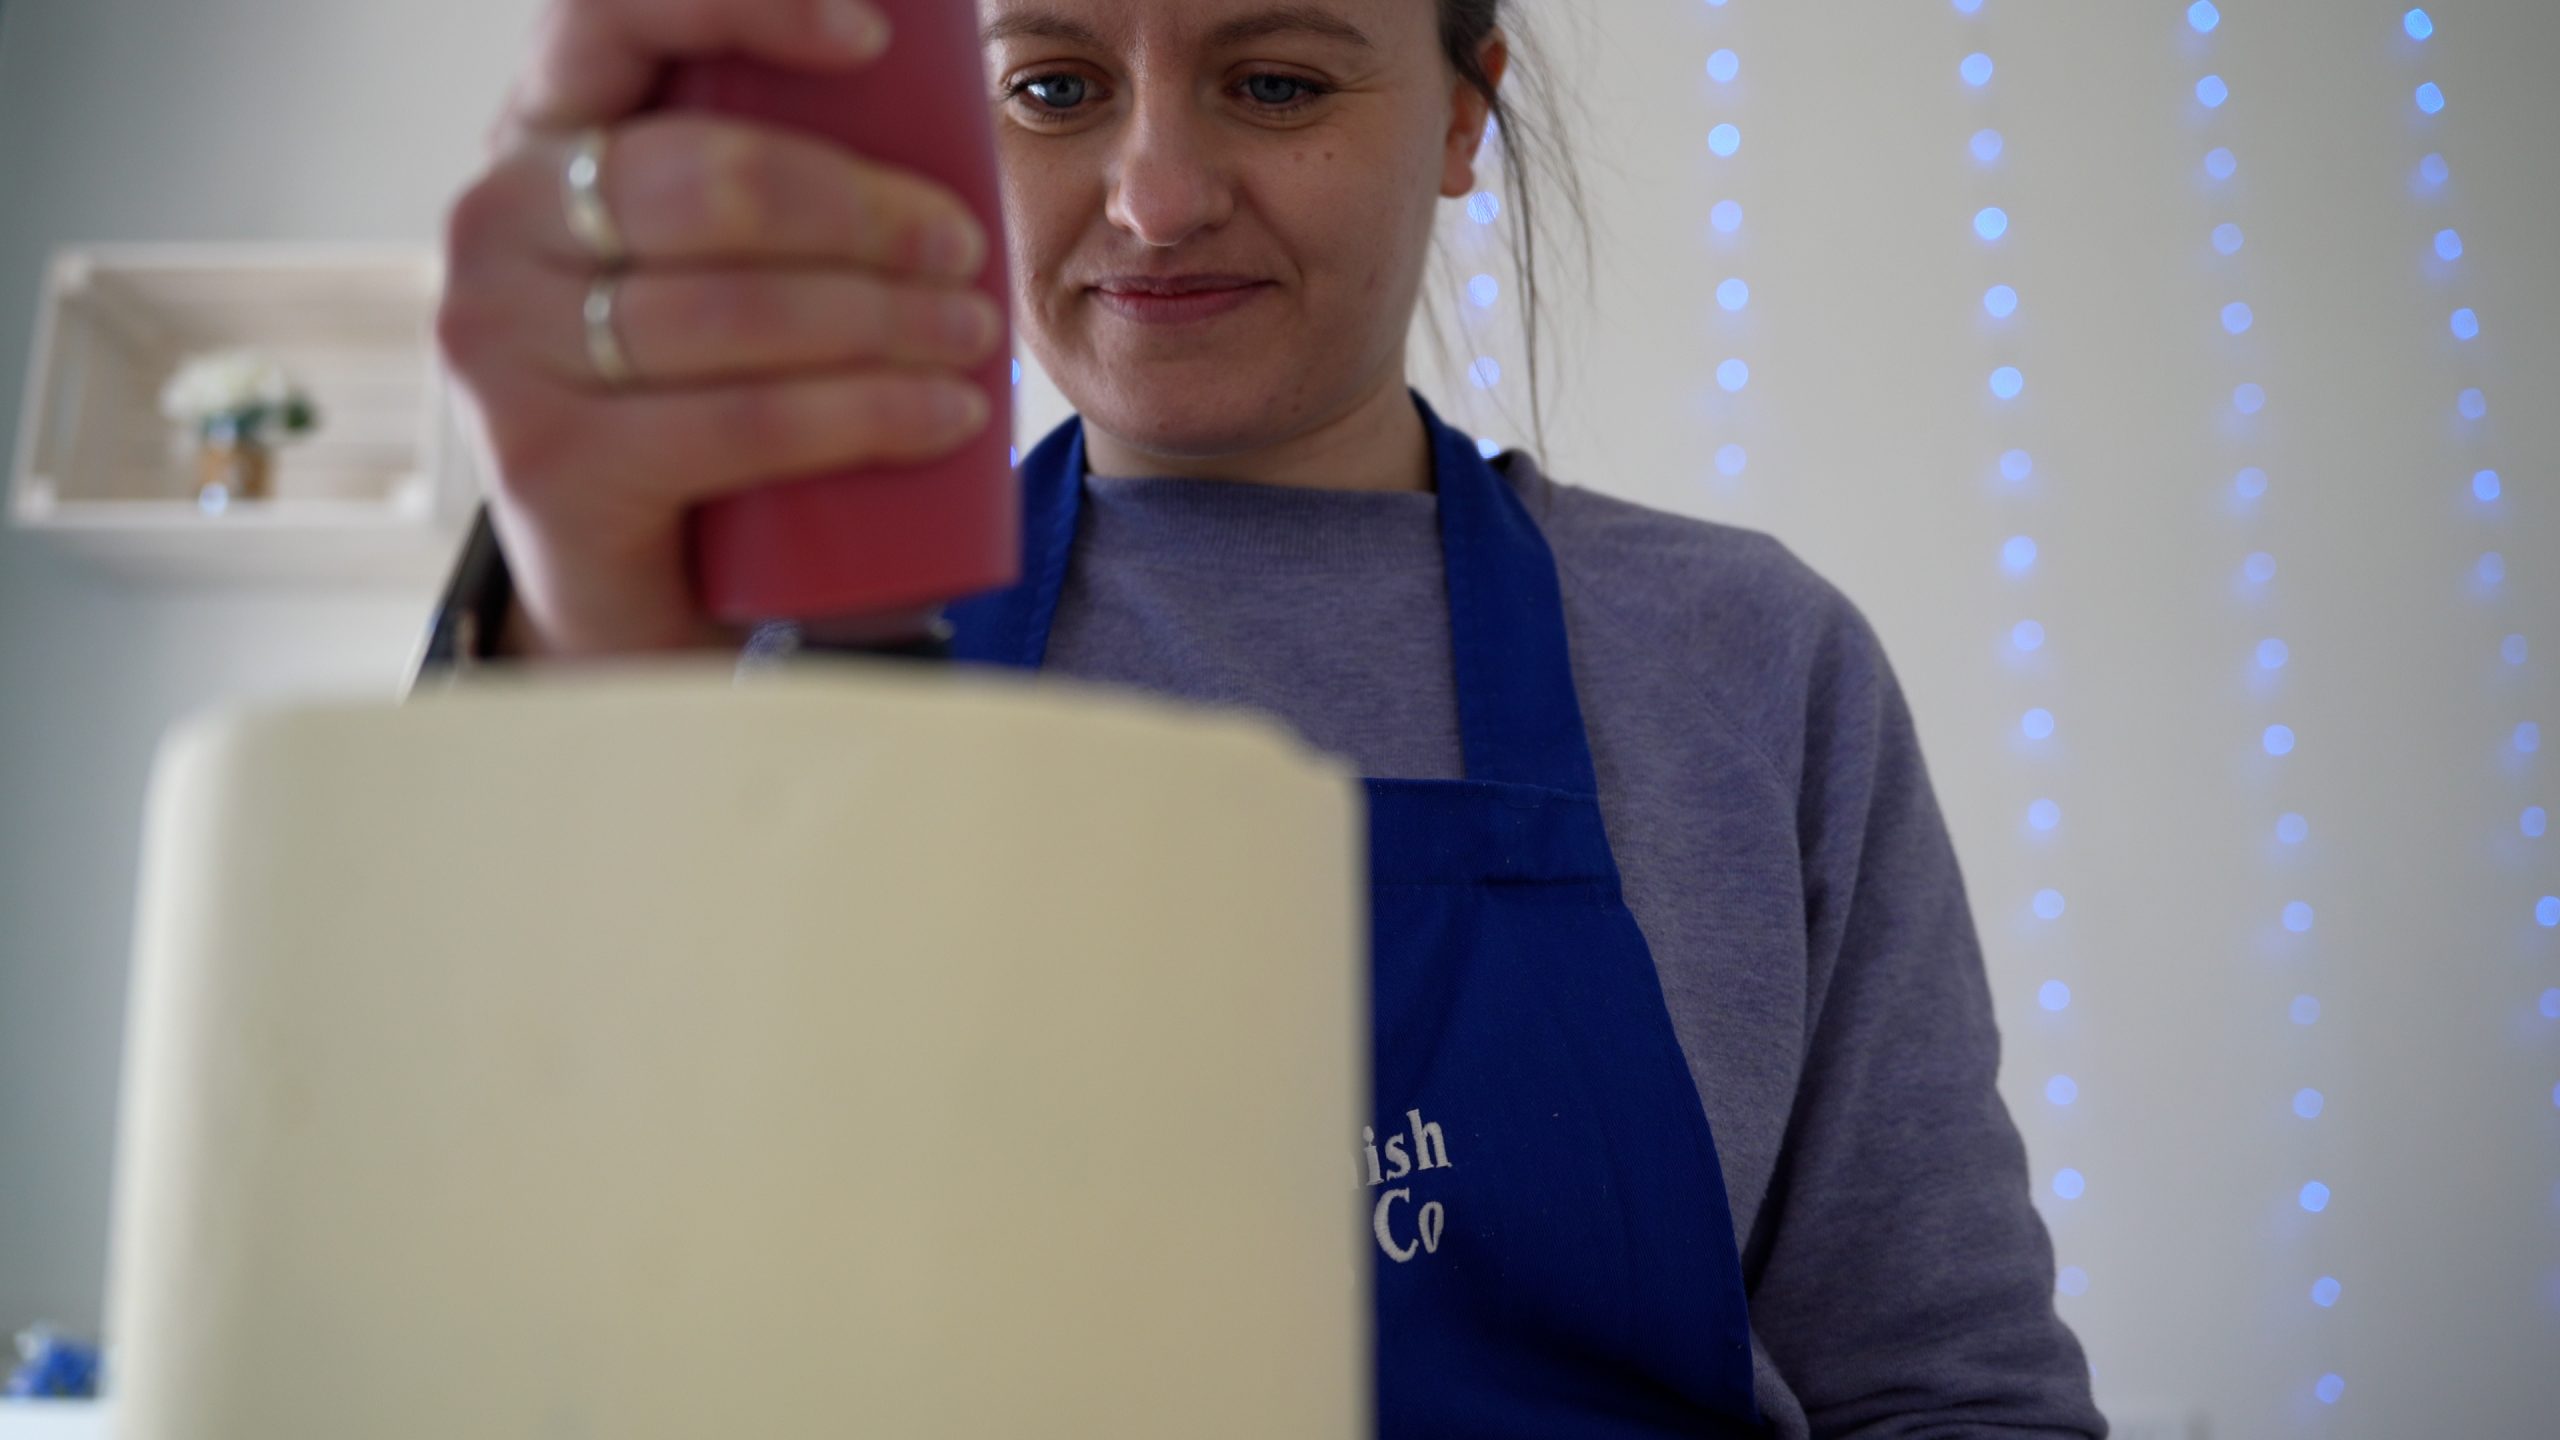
point(223, 381)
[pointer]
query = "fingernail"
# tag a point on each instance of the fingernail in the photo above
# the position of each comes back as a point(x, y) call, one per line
point(960, 408)
point(858, 27)
point(955, 246)
point(971, 323)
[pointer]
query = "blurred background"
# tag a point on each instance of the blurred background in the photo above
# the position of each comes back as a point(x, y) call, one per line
point(2171, 383)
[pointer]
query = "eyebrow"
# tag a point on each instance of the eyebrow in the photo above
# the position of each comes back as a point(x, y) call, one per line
point(1278, 20)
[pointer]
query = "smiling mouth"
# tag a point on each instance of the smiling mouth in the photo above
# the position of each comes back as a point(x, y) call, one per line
point(1178, 301)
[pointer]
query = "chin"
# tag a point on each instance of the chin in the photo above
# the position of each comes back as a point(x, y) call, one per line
point(1198, 408)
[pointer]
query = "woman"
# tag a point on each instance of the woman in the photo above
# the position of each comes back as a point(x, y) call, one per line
point(1653, 844)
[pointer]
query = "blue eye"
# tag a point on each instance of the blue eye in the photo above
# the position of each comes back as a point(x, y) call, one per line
point(1291, 91)
point(1066, 90)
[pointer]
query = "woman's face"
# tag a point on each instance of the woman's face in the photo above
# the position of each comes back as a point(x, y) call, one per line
point(1286, 156)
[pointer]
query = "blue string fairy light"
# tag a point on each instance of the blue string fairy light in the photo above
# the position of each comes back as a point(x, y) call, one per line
point(2021, 558)
point(1725, 219)
point(2470, 443)
point(2238, 317)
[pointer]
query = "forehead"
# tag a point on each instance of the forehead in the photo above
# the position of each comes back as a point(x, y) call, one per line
point(1367, 25)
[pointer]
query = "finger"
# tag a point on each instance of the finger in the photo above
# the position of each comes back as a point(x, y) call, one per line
point(596, 61)
point(695, 444)
point(682, 327)
point(690, 187)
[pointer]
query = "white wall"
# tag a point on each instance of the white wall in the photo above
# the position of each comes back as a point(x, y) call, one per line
point(1873, 444)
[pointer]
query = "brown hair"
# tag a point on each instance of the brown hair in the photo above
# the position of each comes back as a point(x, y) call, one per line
point(1533, 148)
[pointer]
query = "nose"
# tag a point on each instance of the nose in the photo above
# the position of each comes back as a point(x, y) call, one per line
point(1169, 180)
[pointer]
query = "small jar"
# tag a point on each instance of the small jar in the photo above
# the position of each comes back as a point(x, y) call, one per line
point(232, 466)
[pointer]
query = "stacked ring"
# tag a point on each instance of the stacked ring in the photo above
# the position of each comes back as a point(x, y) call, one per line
point(591, 220)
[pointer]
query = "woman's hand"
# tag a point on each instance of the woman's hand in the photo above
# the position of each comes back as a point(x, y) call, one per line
point(787, 308)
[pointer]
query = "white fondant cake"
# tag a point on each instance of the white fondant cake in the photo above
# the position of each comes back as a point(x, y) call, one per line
point(850, 1049)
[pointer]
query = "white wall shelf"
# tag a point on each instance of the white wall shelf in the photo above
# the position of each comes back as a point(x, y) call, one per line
point(379, 492)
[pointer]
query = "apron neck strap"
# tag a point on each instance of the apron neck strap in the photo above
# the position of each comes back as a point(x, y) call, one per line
point(1518, 717)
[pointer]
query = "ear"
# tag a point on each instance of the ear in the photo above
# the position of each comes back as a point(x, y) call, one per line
point(1468, 112)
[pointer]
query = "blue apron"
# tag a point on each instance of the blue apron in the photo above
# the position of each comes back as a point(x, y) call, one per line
point(1555, 1256)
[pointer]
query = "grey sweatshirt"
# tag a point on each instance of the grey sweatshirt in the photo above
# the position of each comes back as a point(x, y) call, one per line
point(1783, 853)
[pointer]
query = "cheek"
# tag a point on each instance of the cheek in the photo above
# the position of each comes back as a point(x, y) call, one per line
point(1315, 199)
point(1044, 212)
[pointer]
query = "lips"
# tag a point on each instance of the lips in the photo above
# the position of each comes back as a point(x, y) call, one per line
point(1173, 284)
point(1176, 299)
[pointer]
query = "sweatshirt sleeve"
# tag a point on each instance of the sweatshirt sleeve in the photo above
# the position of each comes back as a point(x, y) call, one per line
point(1904, 1281)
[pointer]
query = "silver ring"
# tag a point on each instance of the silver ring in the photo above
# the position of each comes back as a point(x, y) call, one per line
point(589, 219)
point(604, 346)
